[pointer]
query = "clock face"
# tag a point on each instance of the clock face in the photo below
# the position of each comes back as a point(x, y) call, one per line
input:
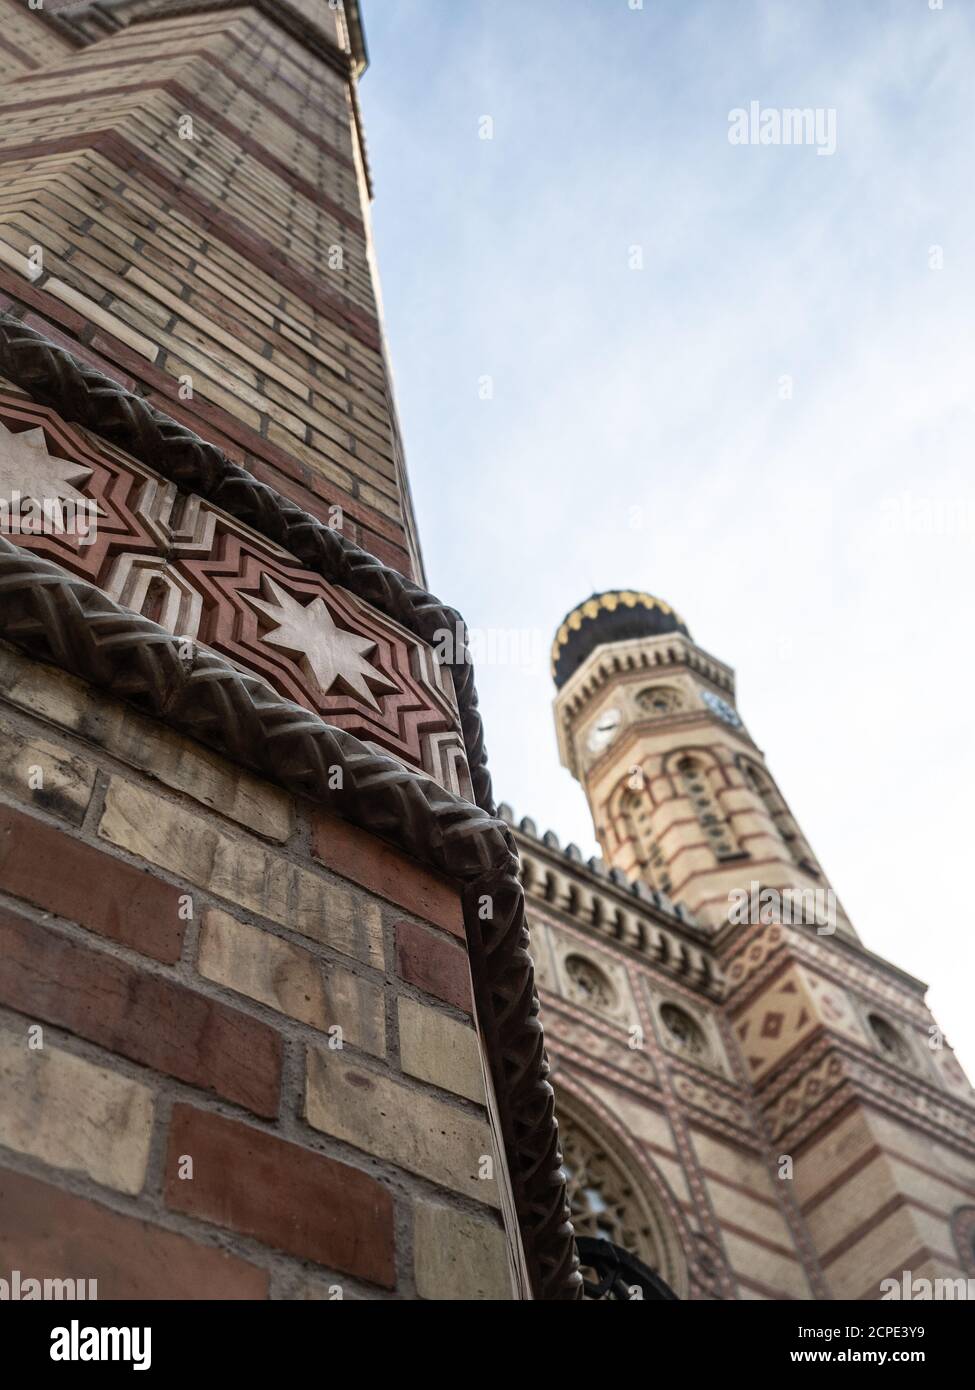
point(604, 730)
point(721, 708)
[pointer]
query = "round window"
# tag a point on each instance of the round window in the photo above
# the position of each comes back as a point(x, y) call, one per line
point(683, 1030)
point(588, 984)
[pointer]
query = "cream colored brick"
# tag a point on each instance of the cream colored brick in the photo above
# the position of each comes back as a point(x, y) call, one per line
point(731, 1205)
point(205, 776)
point(14, 259)
point(747, 1170)
point(440, 1050)
point(147, 745)
point(328, 912)
point(642, 1120)
point(45, 774)
point(74, 1115)
point(770, 1267)
point(96, 314)
point(285, 977)
point(51, 694)
point(887, 1247)
point(383, 1117)
point(240, 870)
point(456, 1256)
point(847, 1207)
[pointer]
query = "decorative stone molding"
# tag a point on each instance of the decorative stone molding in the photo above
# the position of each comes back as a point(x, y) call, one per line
point(831, 1072)
point(713, 1101)
point(216, 580)
point(750, 954)
point(600, 1050)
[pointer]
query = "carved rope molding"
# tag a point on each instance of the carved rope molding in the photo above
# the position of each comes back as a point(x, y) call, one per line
point(65, 620)
point(83, 395)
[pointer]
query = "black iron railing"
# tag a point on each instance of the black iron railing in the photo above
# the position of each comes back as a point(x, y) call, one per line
point(612, 1274)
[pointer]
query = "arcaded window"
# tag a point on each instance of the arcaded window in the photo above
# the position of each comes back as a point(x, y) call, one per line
point(714, 824)
point(635, 807)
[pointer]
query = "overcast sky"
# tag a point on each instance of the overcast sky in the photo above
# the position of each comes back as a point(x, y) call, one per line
point(637, 429)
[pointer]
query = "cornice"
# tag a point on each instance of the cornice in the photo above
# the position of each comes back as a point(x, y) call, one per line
point(865, 1077)
point(641, 654)
point(357, 35)
point(606, 904)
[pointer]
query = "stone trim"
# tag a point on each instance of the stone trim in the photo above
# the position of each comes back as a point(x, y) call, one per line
point(62, 619)
point(83, 395)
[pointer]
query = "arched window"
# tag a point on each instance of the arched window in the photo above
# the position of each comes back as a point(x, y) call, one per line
point(611, 1199)
point(697, 789)
point(635, 807)
point(779, 815)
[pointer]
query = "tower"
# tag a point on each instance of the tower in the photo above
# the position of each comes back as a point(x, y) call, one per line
point(764, 1107)
point(679, 791)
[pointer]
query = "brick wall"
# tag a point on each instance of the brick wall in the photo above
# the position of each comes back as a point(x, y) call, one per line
point(192, 192)
point(237, 1052)
point(25, 43)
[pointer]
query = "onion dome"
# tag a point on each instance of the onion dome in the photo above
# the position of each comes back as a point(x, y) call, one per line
point(620, 615)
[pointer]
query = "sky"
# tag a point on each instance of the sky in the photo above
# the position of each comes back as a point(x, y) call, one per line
point(630, 353)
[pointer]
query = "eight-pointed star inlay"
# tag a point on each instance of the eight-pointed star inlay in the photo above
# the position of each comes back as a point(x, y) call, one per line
point(27, 467)
point(332, 655)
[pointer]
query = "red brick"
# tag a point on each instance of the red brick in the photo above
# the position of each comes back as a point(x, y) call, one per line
point(355, 854)
point(63, 875)
point(46, 1233)
point(433, 964)
point(152, 1020)
point(286, 1197)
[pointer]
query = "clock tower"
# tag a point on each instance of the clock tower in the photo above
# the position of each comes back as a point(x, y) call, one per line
point(680, 794)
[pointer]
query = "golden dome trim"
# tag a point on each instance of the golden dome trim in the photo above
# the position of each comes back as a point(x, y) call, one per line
point(608, 603)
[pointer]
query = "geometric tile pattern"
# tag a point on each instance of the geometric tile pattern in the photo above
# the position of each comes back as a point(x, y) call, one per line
point(806, 1093)
point(207, 577)
point(793, 1006)
point(711, 1100)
